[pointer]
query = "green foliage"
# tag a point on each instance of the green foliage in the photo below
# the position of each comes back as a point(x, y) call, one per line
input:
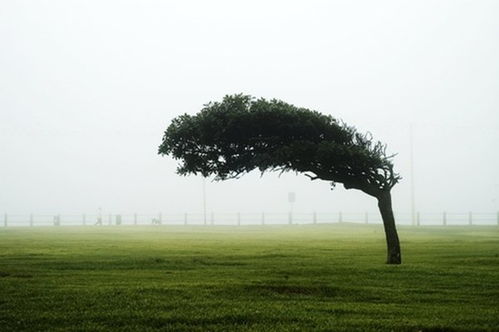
point(271, 278)
point(240, 134)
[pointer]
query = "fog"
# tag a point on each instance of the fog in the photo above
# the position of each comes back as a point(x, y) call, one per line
point(87, 89)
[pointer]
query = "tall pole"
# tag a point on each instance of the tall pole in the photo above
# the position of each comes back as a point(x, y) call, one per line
point(291, 200)
point(413, 199)
point(204, 199)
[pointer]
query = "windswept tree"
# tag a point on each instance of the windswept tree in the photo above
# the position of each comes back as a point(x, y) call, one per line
point(239, 134)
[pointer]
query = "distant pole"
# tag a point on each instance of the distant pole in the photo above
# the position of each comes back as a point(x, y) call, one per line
point(212, 218)
point(340, 217)
point(314, 217)
point(418, 219)
point(31, 223)
point(84, 219)
point(185, 219)
point(135, 218)
point(5, 219)
point(238, 219)
point(413, 199)
point(444, 218)
point(204, 200)
point(291, 200)
point(160, 218)
point(366, 217)
point(263, 218)
point(496, 217)
point(470, 218)
point(110, 219)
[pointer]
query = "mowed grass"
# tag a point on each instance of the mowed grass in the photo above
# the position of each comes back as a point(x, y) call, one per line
point(271, 278)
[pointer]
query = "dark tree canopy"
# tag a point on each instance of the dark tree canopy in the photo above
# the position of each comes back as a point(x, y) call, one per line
point(241, 133)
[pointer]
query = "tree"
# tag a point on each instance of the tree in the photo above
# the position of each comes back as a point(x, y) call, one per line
point(239, 134)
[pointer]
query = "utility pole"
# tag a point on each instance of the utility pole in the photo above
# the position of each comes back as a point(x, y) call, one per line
point(291, 200)
point(413, 199)
point(204, 200)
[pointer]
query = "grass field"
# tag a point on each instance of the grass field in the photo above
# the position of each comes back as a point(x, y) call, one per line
point(272, 278)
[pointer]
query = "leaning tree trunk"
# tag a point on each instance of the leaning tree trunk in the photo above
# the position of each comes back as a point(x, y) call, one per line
point(392, 239)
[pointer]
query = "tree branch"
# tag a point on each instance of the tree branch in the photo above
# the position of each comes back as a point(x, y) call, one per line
point(312, 177)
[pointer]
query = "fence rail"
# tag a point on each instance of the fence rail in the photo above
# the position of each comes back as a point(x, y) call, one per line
point(238, 219)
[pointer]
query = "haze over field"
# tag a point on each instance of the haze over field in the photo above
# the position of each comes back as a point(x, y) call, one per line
point(87, 89)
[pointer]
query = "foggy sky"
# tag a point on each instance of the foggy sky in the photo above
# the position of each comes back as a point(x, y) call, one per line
point(87, 89)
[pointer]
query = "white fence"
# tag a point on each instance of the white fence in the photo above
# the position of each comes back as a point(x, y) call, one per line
point(240, 219)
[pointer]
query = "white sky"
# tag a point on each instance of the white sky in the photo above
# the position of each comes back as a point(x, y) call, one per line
point(88, 87)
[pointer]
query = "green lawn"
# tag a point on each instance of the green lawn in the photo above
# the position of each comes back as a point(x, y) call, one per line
point(271, 278)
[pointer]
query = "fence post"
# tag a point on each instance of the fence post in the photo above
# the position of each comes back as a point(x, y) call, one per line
point(238, 219)
point(444, 218)
point(31, 223)
point(470, 218)
point(5, 218)
point(314, 218)
point(263, 218)
point(290, 218)
point(366, 217)
point(185, 219)
point(418, 219)
point(212, 218)
point(84, 219)
point(340, 217)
